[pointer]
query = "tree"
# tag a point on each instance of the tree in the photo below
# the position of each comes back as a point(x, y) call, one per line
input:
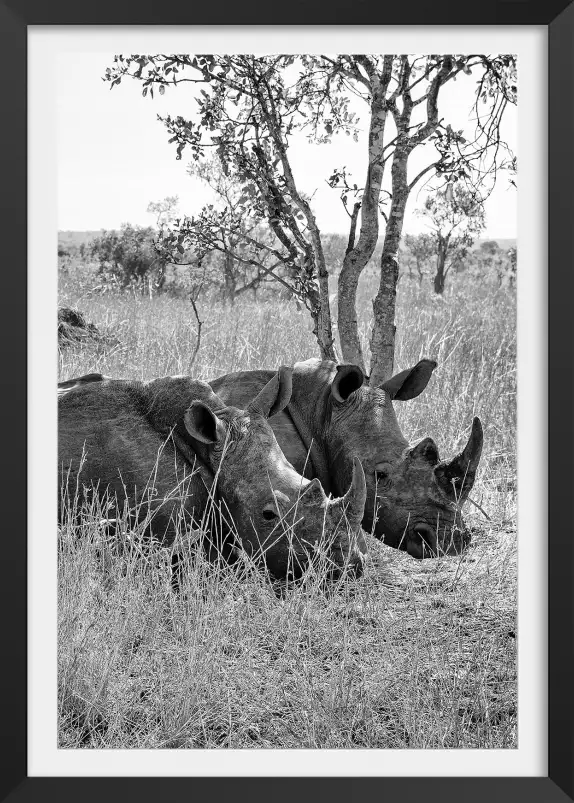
point(239, 274)
point(128, 255)
point(422, 248)
point(250, 107)
point(493, 262)
point(165, 214)
point(397, 89)
point(165, 211)
point(513, 264)
point(455, 217)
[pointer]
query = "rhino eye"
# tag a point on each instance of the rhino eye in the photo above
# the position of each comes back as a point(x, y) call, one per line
point(382, 474)
point(269, 513)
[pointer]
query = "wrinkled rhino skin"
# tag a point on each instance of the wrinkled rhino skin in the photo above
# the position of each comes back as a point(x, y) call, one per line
point(413, 500)
point(175, 435)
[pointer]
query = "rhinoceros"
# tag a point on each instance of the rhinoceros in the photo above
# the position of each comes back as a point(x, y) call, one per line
point(333, 417)
point(141, 441)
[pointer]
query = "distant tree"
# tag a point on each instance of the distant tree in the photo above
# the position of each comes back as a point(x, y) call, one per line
point(498, 262)
point(455, 217)
point(334, 246)
point(490, 258)
point(165, 211)
point(421, 247)
point(128, 255)
point(489, 249)
point(248, 109)
point(240, 272)
point(512, 258)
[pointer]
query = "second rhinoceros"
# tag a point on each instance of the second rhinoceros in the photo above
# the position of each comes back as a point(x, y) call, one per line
point(414, 500)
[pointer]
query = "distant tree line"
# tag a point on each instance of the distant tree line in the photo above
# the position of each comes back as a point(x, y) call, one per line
point(128, 259)
point(421, 258)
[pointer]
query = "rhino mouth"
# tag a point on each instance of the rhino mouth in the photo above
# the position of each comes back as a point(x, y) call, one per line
point(419, 549)
point(422, 542)
point(348, 564)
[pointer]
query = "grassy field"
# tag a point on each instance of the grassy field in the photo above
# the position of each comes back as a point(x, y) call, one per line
point(413, 654)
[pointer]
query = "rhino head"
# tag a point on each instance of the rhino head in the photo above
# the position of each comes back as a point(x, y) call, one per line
point(316, 528)
point(414, 499)
point(279, 515)
point(420, 498)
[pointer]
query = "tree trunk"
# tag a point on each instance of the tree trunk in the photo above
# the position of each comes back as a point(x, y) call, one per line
point(160, 277)
point(229, 280)
point(358, 255)
point(319, 299)
point(383, 335)
point(317, 290)
point(419, 271)
point(439, 281)
point(440, 276)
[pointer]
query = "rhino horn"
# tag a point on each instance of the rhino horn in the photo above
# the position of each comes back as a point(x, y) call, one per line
point(457, 477)
point(353, 503)
point(274, 396)
point(314, 492)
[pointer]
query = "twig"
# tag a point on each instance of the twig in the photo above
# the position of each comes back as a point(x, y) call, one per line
point(479, 507)
point(353, 227)
point(199, 326)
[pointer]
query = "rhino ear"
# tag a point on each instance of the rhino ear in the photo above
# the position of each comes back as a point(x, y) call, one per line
point(410, 383)
point(348, 379)
point(274, 396)
point(202, 424)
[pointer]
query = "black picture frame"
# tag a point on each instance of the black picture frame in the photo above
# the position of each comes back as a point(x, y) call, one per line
point(15, 17)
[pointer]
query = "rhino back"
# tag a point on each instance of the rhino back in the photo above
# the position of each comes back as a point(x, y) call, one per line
point(106, 440)
point(240, 388)
point(164, 401)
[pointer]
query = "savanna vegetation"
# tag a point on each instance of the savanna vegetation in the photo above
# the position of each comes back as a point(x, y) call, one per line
point(126, 259)
point(413, 654)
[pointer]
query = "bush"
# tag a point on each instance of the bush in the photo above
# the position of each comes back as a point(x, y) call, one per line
point(128, 256)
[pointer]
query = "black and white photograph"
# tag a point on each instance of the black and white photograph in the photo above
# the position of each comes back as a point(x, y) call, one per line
point(287, 400)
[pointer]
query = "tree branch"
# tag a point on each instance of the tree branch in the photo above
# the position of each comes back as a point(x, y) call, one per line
point(199, 327)
point(353, 227)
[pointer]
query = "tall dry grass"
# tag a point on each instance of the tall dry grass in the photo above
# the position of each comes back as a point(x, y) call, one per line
point(414, 654)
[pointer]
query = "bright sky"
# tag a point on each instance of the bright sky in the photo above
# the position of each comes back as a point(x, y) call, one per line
point(114, 158)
